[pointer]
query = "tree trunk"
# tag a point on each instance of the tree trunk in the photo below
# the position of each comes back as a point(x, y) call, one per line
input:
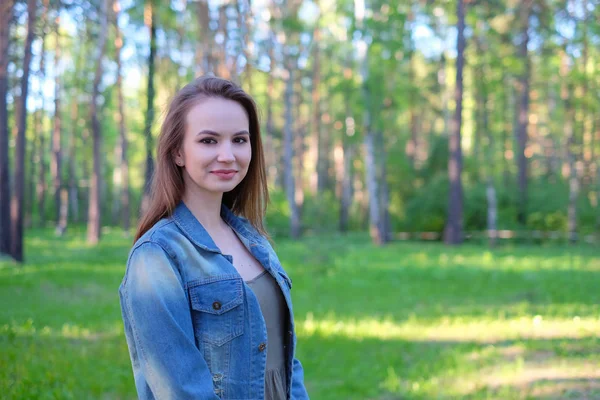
point(372, 185)
point(223, 70)
point(31, 163)
point(37, 144)
point(204, 62)
point(123, 161)
point(94, 209)
point(17, 199)
point(596, 139)
point(270, 158)
point(300, 127)
point(492, 212)
point(68, 191)
point(56, 166)
point(523, 111)
point(290, 184)
point(6, 11)
point(487, 168)
point(453, 233)
point(41, 186)
point(508, 127)
point(384, 195)
point(413, 142)
point(150, 21)
point(346, 197)
point(585, 128)
point(73, 194)
point(348, 153)
point(316, 136)
point(443, 79)
point(246, 23)
point(566, 95)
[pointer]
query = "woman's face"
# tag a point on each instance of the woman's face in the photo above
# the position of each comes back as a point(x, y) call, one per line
point(215, 153)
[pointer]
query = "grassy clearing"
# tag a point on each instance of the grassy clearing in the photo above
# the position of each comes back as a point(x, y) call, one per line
point(411, 320)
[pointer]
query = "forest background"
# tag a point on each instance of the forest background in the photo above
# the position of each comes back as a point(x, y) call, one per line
point(382, 121)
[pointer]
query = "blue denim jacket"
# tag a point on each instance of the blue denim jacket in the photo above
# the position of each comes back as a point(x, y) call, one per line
point(193, 327)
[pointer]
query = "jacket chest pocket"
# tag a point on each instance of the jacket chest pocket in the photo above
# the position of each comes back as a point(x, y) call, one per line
point(217, 309)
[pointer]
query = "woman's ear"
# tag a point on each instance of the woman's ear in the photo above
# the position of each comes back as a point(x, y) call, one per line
point(178, 157)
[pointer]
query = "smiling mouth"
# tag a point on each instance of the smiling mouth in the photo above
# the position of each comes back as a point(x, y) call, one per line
point(224, 174)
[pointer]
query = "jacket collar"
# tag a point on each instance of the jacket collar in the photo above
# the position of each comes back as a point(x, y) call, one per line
point(193, 229)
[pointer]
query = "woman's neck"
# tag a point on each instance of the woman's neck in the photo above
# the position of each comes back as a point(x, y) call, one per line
point(206, 207)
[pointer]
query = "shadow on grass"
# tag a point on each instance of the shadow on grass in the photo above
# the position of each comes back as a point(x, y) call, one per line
point(38, 366)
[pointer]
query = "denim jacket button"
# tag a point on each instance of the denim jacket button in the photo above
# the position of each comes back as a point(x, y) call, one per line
point(217, 305)
point(262, 347)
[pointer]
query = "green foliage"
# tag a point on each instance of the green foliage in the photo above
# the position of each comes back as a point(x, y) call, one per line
point(320, 213)
point(427, 210)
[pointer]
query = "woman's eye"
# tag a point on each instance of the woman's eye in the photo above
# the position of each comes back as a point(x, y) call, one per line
point(240, 140)
point(208, 141)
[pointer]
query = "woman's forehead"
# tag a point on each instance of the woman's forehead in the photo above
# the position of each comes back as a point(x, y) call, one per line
point(218, 115)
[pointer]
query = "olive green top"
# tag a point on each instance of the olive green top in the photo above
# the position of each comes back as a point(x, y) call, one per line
point(273, 308)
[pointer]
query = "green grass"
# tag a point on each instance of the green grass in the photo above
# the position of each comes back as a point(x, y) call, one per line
point(410, 320)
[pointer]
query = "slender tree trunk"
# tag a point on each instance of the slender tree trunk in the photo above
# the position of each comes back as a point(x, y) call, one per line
point(37, 150)
point(150, 21)
point(443, 79)
point(411, 146)
point(204, 62)
point(6, 11)
point(370, 163)
point(269, 146)
point(596, 139)
point(369, 139)
point(67, 189)
point(487, 167)
point(585, 127)
point(219, 52)
point(31, 163)
point(56, 166)
point(508, 127)
point(523, 111)
point(73, 196)
point(300, 128)
point(569, 126)
point(41, 181)
point(384, 195)
point(17, 199)
point(372, 185)
point(348, 151)
point(453, 233)
point(290, 183)
point(94, 208)
point(316, 136)
point(246, 22)
point(123, 160)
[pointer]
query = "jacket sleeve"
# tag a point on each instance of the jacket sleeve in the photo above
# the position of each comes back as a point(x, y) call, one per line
point(159, 331)
point(298, 390)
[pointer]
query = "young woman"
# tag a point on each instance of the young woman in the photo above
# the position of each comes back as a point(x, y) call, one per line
point(206, 304)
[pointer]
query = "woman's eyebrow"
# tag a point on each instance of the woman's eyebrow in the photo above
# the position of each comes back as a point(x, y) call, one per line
point(213, 133)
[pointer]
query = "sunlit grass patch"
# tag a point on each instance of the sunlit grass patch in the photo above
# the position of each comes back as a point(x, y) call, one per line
point(478, 330)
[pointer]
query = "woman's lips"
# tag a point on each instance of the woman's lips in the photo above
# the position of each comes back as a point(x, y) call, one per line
point(226, 175)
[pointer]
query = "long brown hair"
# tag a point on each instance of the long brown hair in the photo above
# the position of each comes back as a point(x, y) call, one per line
point(249, 198)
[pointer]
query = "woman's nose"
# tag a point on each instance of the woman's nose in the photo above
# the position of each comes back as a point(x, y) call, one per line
point(225, 153)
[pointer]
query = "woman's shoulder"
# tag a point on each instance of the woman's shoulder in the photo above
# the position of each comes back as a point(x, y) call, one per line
point(155, 249)
point(157, 234)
